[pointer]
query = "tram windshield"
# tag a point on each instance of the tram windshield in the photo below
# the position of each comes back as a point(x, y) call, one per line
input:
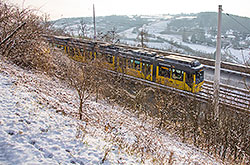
point(199, 77)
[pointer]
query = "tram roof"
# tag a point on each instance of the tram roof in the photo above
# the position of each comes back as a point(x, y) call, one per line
point(184, 63)
point(180, 58)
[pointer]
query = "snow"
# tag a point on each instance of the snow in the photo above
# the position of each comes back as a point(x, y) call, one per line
point(202, 48)
point(157, 16)
point(239, 56)
point(186, 17)
point(128, 33)
point(39, 126)
point(156, 28)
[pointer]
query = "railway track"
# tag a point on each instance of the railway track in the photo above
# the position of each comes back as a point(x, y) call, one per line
point(229, 95)
point(236, 98)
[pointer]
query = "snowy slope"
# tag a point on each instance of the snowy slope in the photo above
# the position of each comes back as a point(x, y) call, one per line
point(37, 126)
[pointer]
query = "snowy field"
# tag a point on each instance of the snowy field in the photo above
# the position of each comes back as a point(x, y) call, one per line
point(38, 126)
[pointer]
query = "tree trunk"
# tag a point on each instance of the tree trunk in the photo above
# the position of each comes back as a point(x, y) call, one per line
point(80, 108)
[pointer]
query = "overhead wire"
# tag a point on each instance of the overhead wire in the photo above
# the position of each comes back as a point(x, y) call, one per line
point(227, 50)
point(238, 22)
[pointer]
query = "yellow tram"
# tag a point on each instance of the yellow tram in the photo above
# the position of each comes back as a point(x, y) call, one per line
point(179, 72)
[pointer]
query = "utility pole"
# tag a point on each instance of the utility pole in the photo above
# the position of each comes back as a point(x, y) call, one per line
point(217, 65)
point(94, 21)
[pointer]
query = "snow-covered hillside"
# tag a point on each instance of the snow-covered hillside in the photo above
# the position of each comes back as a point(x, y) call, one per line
point(159, 40)
point(38, 126)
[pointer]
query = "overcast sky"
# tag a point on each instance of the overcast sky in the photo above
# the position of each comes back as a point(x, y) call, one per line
point(82, 8)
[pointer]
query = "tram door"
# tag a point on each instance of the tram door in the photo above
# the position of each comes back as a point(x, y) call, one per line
point(189, 82)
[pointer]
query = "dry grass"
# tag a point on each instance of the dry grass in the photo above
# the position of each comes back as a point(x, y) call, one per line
point(227, 138)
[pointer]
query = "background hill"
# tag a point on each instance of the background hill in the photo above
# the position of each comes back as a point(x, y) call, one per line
point(209, 20)
point(193, 34)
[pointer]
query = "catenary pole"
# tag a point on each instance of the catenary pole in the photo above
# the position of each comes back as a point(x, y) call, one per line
point(94, 21)
point(217, 65)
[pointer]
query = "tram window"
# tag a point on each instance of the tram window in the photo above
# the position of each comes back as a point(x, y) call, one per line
point(87, 55)
point(143, 67)
point(82, 51)
point(146, 69)
point(199, 77)
point(78, 52)
point(177, 74)
point(71, 51)
point(164, 71)
point(130, 63)
point(109, 59)
point(101, 56)
point(121, 62)
point(137, 65)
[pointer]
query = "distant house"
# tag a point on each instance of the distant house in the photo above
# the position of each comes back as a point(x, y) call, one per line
point(248, 38)
point(231, 37)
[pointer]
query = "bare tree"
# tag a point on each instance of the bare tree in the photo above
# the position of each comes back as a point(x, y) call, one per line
point(110, 36)
point(82, 29)
point(142, 37)
point(87, 78)
point(80, 78)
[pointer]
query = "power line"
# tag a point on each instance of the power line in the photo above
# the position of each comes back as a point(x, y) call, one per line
point(238, 22)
